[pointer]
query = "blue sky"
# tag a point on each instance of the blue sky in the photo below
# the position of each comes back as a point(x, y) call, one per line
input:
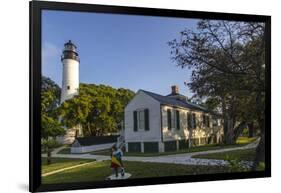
point(117, 50)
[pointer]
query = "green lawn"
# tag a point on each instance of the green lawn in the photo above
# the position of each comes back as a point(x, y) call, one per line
point(247, 155)
point(98, 171)
point(59, 163)
point(245, 140)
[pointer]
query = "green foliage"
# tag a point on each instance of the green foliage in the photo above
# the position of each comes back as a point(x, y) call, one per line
point(245, 132)
point(49, 144)
point(234, 164)
point(50, 126)
point(50, 93)
point(99, 109)
point(212, 103)
point(261, 166)
point(227, 62)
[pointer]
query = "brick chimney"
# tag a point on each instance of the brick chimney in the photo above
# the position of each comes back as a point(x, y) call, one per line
point(175, 90)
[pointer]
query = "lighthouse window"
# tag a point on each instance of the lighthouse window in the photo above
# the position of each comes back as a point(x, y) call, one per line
point(68, 87)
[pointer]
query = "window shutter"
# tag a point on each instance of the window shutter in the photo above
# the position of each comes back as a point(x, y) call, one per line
point(178, 119)
point(194, 121)
point(146, 119)
point(135, 120)
point(208, 121)
point(169, 114)
point(204, 120)
point(189, 125)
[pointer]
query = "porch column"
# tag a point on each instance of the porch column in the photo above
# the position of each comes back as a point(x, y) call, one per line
point(142, 147)
point(127, 147)
point(161, 146)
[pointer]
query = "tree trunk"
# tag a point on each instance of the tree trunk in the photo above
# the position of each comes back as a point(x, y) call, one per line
point(225, 121)
point(251, 129)
point(228, 134)
point(49, 156)
point(89, 129)
point(229, 115)
point(260, 150)
point(238, 130)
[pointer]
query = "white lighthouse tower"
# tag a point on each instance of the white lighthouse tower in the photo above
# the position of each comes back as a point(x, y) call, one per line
point(70, 75)
point(70, 86)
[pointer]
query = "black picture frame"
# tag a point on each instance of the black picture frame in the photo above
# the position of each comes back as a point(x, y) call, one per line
point(36, 8)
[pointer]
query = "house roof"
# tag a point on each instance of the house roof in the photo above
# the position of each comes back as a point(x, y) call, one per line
point(95, 140)
point(175, 102)
point(175, 95)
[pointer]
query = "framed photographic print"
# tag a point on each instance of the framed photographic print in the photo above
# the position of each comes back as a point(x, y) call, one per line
point(125, 96)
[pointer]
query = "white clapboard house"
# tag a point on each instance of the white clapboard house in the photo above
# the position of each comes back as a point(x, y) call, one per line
point(157, 123)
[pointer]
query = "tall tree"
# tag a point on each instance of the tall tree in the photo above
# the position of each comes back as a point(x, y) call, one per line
point(50, 127)
point(227, 62)
point(99, 109)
